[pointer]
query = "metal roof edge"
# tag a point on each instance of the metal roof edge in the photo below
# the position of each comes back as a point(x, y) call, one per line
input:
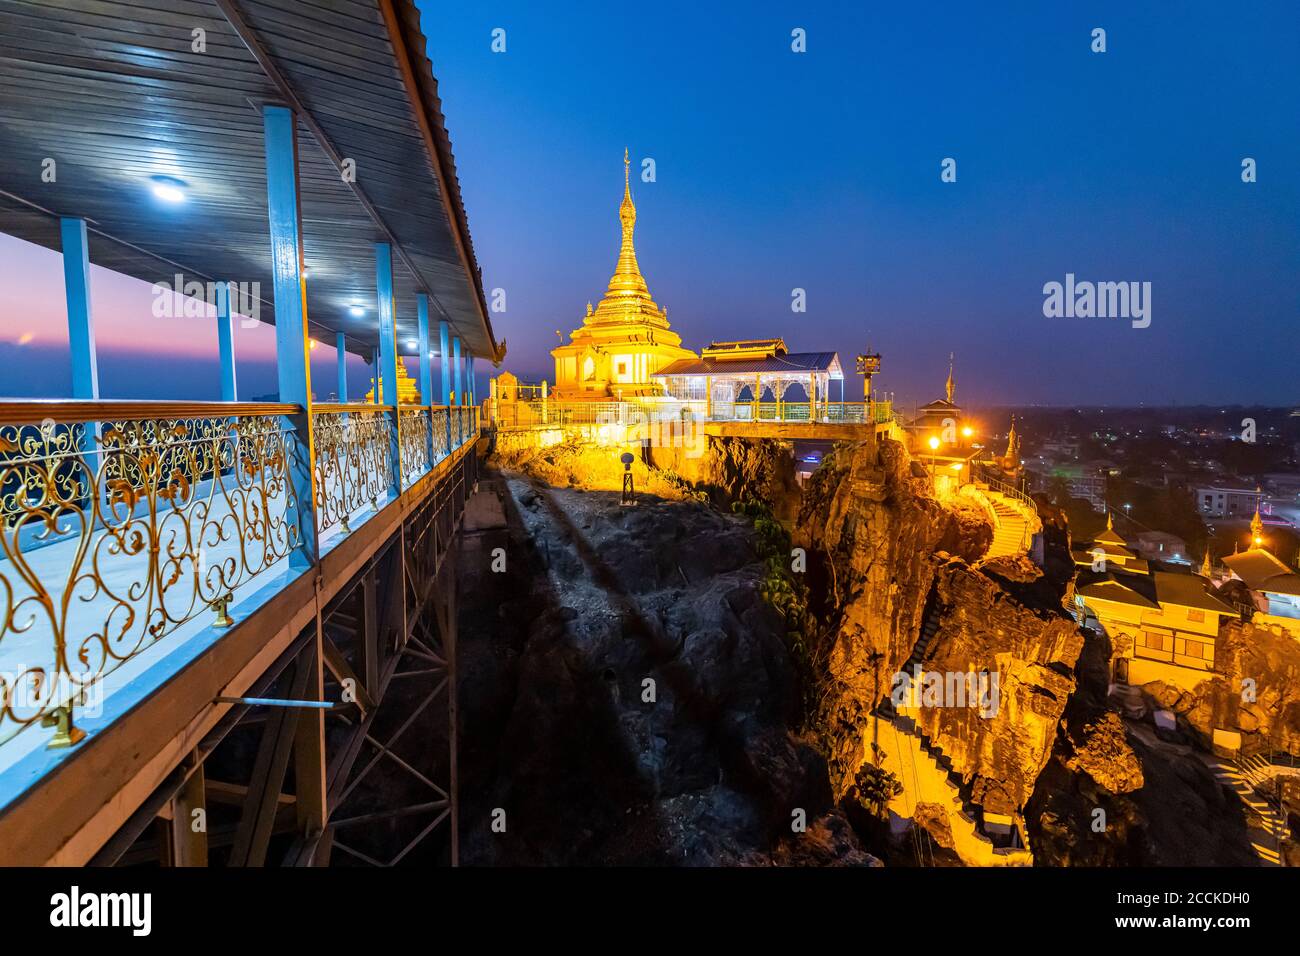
point(402, 21)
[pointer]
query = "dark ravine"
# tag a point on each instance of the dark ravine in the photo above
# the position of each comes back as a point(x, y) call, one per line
point(596, 600)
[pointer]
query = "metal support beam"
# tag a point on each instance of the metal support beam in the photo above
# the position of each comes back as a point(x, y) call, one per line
point(291, 337)
point(444, 351)
point(341, 345)
point(459, 397)
point(81, 323)
point(388, 355)
point(226, 342)
point(426, 370)
point(188, 836)
point(469, 378)
point(309, 745)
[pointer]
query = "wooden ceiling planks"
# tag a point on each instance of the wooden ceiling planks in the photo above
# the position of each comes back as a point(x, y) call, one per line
point(112, 90)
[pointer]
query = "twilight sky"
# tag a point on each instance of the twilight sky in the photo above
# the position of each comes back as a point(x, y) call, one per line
point(821, 171)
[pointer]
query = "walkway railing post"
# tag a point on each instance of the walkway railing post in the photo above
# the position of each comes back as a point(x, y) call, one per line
point(457, 401)
point(470, 399)
point(226, 342)
point(426, 376)
point(291, 338)
point(444, 347)
point(341, 346)
point(81, 342)
point(387, 384)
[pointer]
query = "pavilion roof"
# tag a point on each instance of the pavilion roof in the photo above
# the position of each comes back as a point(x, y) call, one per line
point(793, 363)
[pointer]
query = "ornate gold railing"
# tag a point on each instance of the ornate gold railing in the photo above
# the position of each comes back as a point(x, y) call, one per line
point(119, 523)
point(353, 461)
point(414, 448)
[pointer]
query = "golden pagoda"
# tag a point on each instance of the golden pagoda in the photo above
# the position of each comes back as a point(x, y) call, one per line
point(626, 338)
point(407, 391)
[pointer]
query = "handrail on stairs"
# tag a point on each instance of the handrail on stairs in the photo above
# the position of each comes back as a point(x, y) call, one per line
point(982, 473)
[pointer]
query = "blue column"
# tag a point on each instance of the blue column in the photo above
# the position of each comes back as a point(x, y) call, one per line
point(469, 388)
point(341, 346)
point(426, 376)
point(81, 323)
point(81, 342)
point(459, 400)
point(291, 338)
point(422, 317)
point(388, 353)
point(444, 339)
point(226, 342)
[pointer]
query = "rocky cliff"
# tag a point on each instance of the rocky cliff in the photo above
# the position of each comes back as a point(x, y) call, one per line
point(1255, 692)
point(888, 553)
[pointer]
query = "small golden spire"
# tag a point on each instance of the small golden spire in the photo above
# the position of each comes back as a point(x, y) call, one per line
point(951, 387)
point(1256, 528)
point(1110, 522)
point(1207, 566)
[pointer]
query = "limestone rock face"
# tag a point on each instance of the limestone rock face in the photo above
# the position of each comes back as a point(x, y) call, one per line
point(1105, 755)
point(733, 469)
point(1244, 653)
point(998, 751)
point(883, 548)
point(872, 536)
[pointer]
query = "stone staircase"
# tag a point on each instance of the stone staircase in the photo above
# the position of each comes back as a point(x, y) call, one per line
point(926, 775)
point(929, 627)
point(1011, 534)
point(1267, 825)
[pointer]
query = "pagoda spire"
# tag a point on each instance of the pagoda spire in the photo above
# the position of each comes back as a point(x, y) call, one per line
point(950, 388)
point(1256, 528)
point(1207, 566)
point(627, 299)
point(627, 274)
point(1110, 521)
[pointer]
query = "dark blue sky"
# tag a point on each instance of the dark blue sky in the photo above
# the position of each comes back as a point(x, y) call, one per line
point(822, 171)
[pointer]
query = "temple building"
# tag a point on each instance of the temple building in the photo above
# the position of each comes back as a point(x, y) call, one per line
point(1274, 586)
point(626, 338)
point(941, 419)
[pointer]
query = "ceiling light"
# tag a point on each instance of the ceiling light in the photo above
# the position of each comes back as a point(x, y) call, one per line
point(356, 310)
point(168, 188)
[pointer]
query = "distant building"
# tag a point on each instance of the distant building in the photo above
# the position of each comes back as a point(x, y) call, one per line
point(1085, 481)
point(1219, 501)
point(1161, 546)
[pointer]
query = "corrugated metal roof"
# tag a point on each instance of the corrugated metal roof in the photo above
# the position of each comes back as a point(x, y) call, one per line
point(1263, 572)
point(790, 364)
point(116, 93)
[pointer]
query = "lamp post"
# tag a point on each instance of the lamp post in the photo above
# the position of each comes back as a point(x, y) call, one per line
point(868, 364)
